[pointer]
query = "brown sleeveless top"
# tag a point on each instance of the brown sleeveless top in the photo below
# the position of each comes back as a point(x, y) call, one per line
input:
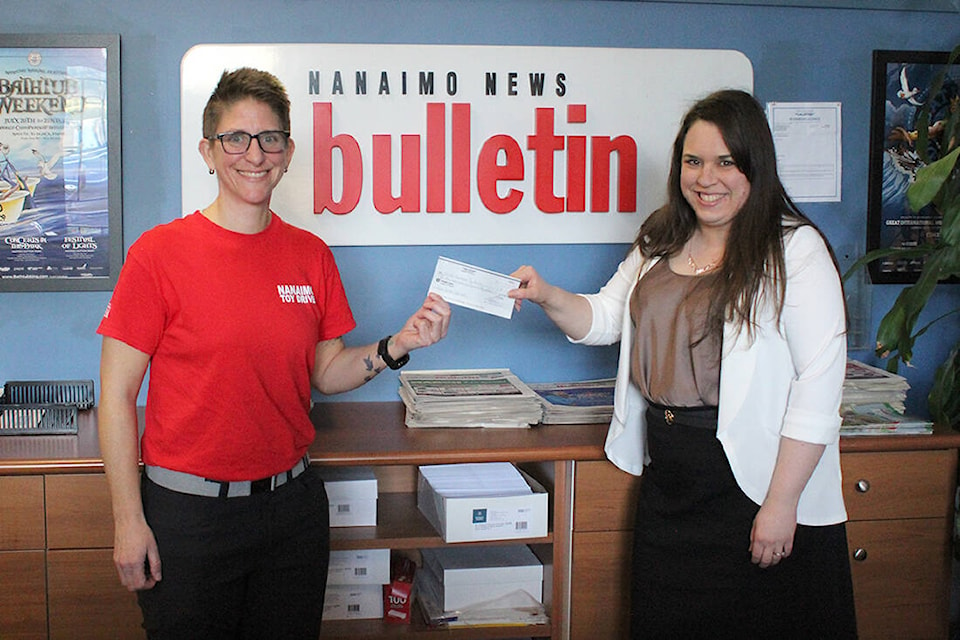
point(673, 363)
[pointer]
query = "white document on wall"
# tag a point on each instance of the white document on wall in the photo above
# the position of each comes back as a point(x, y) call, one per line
point(809, 151)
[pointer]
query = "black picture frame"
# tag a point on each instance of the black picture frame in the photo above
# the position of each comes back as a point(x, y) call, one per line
point(901, 84)
point(60, 162)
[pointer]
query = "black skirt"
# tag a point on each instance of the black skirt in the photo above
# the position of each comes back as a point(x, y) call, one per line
point(692, 572)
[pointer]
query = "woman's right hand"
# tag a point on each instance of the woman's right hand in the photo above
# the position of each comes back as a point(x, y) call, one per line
point(570, 312)
point(532, 287)
point(135, 555)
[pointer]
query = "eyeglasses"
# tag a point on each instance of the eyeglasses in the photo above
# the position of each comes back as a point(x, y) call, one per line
point(237, 142)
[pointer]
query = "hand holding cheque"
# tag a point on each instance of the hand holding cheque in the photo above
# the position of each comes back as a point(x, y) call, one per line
point(490, 292)
point(473, 287)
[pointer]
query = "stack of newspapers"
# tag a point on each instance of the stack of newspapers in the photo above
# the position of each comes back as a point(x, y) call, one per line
point(870, 385)
point(582, 402)
point(468, 398)
point(873, 403)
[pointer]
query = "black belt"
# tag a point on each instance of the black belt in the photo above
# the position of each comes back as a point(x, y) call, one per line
point(701, 417)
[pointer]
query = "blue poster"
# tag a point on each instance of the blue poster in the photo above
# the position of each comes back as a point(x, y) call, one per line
point(54, 173)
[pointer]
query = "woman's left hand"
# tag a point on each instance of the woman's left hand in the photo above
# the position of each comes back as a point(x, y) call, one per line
point(425, 327)
point(771, 539)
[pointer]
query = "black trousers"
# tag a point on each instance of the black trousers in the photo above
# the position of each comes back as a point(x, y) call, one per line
point(240, 568)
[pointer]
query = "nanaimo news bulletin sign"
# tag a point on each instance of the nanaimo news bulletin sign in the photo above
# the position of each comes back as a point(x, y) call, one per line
point(450, 145)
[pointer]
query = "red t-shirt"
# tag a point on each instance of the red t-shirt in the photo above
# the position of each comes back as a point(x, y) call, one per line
point(231, 322)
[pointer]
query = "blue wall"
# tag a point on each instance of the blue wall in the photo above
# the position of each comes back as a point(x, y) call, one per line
point(798, 54)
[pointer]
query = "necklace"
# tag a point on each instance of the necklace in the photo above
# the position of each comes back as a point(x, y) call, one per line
point(697, 269)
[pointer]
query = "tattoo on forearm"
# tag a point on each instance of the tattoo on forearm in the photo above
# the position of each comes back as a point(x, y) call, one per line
point(369, 366)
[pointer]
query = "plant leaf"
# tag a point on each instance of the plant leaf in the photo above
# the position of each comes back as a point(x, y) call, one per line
point(944, 397)
point(930, 179)
point(883, 252)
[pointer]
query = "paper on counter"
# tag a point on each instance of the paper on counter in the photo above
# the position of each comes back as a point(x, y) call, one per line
point(473, 287)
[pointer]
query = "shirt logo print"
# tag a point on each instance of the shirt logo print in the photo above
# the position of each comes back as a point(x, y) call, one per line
point(296, 293)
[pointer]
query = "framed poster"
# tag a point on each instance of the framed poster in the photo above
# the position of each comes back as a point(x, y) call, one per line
point(60, 190)
point(901, 87)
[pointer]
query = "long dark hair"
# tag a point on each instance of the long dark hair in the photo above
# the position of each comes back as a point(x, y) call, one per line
point(753, 263)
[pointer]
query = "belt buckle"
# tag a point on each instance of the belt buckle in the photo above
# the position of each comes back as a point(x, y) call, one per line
point(668, 416)
point(262, 485)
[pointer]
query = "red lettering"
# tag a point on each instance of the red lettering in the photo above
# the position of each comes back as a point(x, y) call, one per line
point(576, 160)
point(460, 160)
point(490, 172)
point(626, 149)
point(324, 142)
point(544, 143)
point(500, 159)
point(383, 198)
point(436, 157)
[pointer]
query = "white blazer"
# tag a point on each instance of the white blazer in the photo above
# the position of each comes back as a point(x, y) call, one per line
point(786, 381)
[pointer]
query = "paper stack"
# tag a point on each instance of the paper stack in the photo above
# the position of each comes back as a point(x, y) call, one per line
point(873, 403)
point(881, 419)
point(866, 385)
point(472, 479)
point(482, 501)
point(584, 402)
point(481, 585)
point(468, 398)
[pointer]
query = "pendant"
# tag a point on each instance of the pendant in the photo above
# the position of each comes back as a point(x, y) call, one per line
point(698, 270)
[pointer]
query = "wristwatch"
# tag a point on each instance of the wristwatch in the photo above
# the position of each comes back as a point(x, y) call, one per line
point(385, 355)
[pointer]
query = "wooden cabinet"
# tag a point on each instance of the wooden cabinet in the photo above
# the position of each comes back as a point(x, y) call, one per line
point(56, 561)
point(56, 528)
point(403, 529)
point(372, 434)
point(23, 605)
point(56, 533)
point(604, 499)
point(899, 494)
point(21, 503)
point(900, 506)
point(85, 597)
point(87, 601)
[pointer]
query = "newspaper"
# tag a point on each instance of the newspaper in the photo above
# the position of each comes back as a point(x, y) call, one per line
point(881, 419)
point(582, 402)
point(867, 385)
point(468, 398)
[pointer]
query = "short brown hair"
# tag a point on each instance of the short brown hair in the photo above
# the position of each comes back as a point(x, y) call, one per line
point(241, 84)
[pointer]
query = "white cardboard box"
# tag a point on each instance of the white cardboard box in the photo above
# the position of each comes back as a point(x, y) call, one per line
point(485, 517)
point(359, 566)
point(353, 602)
point(466, 576)
point(352, 493)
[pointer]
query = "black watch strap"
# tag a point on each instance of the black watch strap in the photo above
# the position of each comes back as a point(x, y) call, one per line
point(385, 355)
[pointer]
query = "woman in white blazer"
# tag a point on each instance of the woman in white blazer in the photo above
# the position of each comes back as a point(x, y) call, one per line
point(731, 322)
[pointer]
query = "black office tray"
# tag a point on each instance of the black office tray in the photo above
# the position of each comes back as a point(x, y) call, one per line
point(43, 407)
point(37, 419)
point(78, 393)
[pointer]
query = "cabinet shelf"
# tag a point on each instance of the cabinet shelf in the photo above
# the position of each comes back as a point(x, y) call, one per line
point(375, 629)
point(400, 525)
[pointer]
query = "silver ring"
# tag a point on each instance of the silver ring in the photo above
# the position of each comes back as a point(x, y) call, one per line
point(777, 554)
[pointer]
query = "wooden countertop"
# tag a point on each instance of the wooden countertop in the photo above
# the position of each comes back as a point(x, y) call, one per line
point(372, 433)
point(364, 433)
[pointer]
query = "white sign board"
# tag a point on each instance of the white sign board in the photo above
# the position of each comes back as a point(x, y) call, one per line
point(449, 145)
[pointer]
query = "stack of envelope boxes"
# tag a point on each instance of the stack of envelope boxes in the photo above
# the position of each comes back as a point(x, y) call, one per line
point(355, 578)
point(473, 502)
point(458, 578)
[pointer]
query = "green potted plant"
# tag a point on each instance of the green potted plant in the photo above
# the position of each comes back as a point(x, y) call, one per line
point(937, 183)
